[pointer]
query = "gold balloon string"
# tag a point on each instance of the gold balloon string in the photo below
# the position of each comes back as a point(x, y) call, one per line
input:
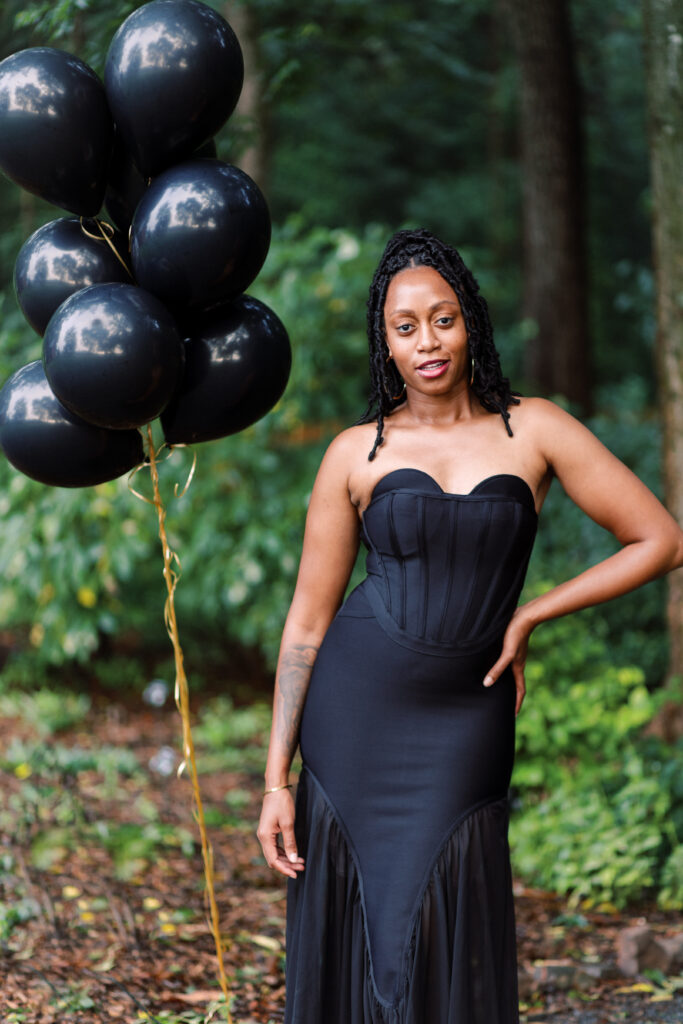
point(131, 476)
point(190, 475)
point(170, 448)
point(106, 236)
point(171, 575)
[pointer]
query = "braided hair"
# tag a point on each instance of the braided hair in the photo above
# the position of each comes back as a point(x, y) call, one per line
point(422, 249)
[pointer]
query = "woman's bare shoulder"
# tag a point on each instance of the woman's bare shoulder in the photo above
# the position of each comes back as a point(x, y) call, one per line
point(544, 422)
point(568, 445)
point(343, 452)
point(350, 442)
point(532, 410)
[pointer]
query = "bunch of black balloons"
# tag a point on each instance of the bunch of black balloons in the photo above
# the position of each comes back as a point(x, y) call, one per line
point(147, 318)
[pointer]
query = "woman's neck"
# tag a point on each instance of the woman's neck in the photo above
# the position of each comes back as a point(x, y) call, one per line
point(440, 410)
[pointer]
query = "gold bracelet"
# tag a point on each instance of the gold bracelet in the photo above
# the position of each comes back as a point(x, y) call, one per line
point(274, 789)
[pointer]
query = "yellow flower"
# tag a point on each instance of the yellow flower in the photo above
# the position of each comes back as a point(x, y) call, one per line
point(23, 770)
point(71, 892)
point(37, 634)
point(87, 597)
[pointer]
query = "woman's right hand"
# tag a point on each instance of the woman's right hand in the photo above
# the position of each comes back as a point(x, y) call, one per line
point(277, 818)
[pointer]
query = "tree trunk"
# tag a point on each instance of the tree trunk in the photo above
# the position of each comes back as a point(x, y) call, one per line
point(496, 139)
point(252, 110)
point(663, 27)
point(558, 355)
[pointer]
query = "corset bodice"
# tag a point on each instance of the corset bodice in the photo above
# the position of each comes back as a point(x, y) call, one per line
point(445, 570)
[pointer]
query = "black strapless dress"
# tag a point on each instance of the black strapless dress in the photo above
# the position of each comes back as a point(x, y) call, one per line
point(403, 914)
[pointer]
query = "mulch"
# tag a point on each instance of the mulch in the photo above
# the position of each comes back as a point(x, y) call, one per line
point(101, 948)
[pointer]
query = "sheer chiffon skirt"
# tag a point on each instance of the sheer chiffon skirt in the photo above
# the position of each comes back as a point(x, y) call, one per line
point(459, 964)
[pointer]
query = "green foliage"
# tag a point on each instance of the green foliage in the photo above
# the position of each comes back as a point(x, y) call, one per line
point(64, 556)
point(599, 808)
point(73, 997)
point(671, 891)
point(121, 674)
point(48, 816)
point(230, 738)
point(133, 845)
point(568, 541)
point(16, 913)
point(23, 670)
point(605, 837)
point(84, 27)
point(55, 760)
point(215, 1011)
point(317, 280)
point(580, 706)
point(46, 711)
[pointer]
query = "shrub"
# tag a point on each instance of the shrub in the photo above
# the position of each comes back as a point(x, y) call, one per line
point(598, 807)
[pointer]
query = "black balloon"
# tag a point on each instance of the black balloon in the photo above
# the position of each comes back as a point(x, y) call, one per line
point(126, 186)
point(113, 355)
point(173, 76)
point(60, 259)
point(48, 443)
point(55, 128)
point(237, 363)
point(200, 234)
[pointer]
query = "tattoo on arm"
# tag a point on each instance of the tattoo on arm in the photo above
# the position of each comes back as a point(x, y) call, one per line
point(296, 665)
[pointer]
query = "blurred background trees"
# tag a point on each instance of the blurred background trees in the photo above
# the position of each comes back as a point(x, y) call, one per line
point(517, 131)
point(664, 60)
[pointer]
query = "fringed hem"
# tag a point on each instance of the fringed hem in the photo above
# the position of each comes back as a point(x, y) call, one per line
point(459, 963)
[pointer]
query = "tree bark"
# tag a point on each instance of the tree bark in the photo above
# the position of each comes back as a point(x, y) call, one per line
point(554, 260)
point(252, 109)
point(496, 138)
point(663, 31)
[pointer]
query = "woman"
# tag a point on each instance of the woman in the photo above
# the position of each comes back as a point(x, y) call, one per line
point(404, 699)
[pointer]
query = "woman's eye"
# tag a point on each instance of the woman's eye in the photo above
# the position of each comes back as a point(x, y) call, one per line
point(404, 328)
point(448, 320)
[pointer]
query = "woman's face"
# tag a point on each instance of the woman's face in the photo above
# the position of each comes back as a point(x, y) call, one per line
point(425, 330)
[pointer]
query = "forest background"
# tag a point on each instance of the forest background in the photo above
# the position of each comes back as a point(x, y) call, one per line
point(358, 118)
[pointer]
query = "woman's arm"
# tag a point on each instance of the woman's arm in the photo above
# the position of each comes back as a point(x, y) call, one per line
point(601, 485)
point(329, 552)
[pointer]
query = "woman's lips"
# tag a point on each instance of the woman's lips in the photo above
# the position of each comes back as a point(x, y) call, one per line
point(434, 368)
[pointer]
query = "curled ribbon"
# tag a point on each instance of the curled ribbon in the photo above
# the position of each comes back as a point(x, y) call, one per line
point(171, 573)
point(106, 236)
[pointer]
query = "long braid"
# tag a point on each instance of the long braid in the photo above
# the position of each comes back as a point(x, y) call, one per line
point(416, 249)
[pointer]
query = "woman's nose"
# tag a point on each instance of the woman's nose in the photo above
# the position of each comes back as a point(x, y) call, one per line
point(426, 339)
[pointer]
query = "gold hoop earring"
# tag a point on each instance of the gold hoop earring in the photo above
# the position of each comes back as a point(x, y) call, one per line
point(400, 392)
point(472, 374)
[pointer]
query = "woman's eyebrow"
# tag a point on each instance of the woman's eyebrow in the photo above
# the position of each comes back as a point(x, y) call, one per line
point(411, 312)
